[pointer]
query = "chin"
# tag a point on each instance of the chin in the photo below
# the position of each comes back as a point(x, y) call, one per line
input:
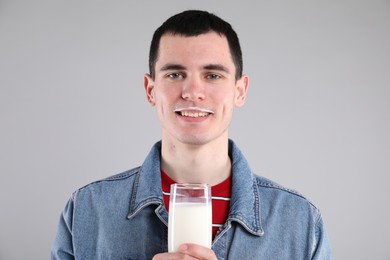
point(195, 140)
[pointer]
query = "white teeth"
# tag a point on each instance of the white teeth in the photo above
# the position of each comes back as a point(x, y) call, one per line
point(195, 114)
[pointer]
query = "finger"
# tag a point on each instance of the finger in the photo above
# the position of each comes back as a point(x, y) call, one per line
point(198, 252)
point(172, 256)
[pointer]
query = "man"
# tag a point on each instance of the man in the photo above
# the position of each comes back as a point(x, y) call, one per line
point(195, 82)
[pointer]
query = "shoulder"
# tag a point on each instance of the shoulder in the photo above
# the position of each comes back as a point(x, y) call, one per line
point(272, 185)
point(112, 184)
point(123, 175)
point(277, 196)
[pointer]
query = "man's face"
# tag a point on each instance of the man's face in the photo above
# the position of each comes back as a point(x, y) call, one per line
point(195, 90)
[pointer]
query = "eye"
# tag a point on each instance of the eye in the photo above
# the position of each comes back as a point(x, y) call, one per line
point(175, 75)
point(213, 76)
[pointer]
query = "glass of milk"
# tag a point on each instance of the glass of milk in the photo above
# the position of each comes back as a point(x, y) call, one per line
point(190, 218)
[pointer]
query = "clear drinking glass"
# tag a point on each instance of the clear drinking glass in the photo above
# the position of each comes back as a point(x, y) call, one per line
point(190, 217)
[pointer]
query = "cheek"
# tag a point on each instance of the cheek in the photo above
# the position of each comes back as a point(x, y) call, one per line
point(225, 104)
point(225, 98)
point(165, 101)
point(216, 92)
point(168, 93)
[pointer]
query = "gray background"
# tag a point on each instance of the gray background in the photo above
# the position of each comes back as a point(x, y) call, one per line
point(73, 110)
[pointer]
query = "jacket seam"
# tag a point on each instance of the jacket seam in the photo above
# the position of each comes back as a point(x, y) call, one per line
point(317, 230)
point(281, 188)
point(117, 177)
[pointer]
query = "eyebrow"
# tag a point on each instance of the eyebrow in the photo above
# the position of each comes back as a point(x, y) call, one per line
point(217, 67)
point(172, 67)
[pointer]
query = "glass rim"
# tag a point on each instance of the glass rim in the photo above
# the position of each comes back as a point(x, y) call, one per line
point(190, 185)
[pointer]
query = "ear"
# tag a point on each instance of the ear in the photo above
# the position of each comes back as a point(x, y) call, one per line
point(149, 89)
point(241, 90)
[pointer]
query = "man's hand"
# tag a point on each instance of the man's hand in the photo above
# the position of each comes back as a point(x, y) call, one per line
point(189, 251)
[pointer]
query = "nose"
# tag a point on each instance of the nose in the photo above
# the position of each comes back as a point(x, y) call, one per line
point(193, 90)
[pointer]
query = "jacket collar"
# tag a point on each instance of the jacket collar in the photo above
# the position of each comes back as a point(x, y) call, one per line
point(147, 186)
point(244, 204)
point(245, 201)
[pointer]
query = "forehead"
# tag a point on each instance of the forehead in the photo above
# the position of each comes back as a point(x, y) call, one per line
point(207, 47)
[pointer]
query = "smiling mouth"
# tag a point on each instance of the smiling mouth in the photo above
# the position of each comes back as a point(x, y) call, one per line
point(193, 112)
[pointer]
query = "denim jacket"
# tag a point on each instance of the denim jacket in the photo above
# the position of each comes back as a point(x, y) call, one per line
point(124, 217)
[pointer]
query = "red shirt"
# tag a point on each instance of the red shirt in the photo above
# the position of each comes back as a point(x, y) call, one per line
point(220, 194)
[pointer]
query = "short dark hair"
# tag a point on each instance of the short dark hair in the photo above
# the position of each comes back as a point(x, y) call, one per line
point(193, 23)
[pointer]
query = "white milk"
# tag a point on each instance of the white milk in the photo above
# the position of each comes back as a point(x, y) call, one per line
point(189, 223)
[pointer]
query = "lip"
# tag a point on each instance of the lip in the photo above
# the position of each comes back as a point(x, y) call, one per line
point(193, 109)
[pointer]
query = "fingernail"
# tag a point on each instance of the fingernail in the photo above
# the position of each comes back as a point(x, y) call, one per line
point(183, 247)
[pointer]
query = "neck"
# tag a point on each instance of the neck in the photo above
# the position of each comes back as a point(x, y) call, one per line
point(184, 163)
